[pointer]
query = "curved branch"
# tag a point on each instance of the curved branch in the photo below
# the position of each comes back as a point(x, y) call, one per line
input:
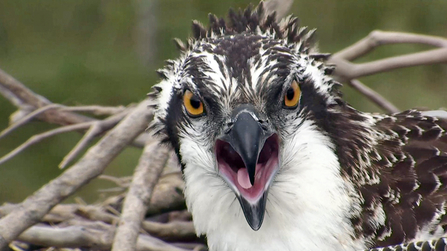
point(39, 137)
point(22, 121)
point(346, 70)
point(28, 101)
point(377, 38)
point(18, 93)
point(96, 109)
point(97, 128)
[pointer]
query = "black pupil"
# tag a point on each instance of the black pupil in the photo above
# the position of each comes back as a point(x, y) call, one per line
point(290, 93)
point(195, 102)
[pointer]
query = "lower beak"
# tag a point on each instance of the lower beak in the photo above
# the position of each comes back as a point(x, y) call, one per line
point(254, 212)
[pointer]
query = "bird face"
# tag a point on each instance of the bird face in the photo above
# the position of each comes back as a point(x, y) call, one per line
point(232, 103)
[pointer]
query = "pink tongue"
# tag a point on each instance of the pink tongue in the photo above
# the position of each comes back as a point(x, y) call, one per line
point(243, 179)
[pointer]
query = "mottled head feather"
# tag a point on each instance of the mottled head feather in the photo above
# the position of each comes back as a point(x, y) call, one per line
point(255, 21)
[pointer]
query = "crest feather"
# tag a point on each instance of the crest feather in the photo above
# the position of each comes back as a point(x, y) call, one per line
point(256, 21)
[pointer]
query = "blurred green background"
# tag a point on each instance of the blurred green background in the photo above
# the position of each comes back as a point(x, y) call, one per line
point(80, 52)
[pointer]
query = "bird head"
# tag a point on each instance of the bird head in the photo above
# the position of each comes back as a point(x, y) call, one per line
point(232, 106)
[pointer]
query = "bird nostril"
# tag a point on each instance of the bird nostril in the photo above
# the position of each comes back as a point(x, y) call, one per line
point(263, 124)
point(228, 127)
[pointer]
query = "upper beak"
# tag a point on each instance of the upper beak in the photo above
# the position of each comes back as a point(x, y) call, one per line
point(247, 137)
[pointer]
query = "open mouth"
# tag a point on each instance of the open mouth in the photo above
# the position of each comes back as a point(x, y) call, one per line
point(234, 170)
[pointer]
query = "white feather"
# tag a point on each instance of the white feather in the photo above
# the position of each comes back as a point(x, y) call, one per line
point(308, 205)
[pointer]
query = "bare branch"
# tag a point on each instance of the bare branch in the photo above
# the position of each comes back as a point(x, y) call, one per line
point(146, 175)
point(39, 137)
point(25, 99)
point(377, 38)
point(175, 230)
point(27, 118)
point(10, 96)
point(18, 93)
point(96, 109)
point(348, 71)
point(93, 163)
point(71, 236)
point(96, 129)
point(171, 231)
point(95, 235)
point(373, 96)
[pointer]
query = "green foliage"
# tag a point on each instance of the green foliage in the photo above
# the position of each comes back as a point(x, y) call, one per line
point(88, 52)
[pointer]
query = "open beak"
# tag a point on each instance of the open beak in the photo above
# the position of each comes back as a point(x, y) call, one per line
point(248, 159)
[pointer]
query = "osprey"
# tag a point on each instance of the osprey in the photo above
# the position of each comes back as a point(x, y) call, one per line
point(274, 159)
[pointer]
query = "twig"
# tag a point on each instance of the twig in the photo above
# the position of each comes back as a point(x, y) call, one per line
point(19, 94)
point(27, 118)
point(146, 175)
point(96, 109)
point(348, 71)
point(377, 38)
point(26, 100)
point(96, 129)
point(10, 96)
point(88, 167)
point(39, 137)
point(373, 96)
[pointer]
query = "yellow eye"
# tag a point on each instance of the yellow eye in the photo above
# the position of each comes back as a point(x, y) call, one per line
point(192, 103)
point(292, 95)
